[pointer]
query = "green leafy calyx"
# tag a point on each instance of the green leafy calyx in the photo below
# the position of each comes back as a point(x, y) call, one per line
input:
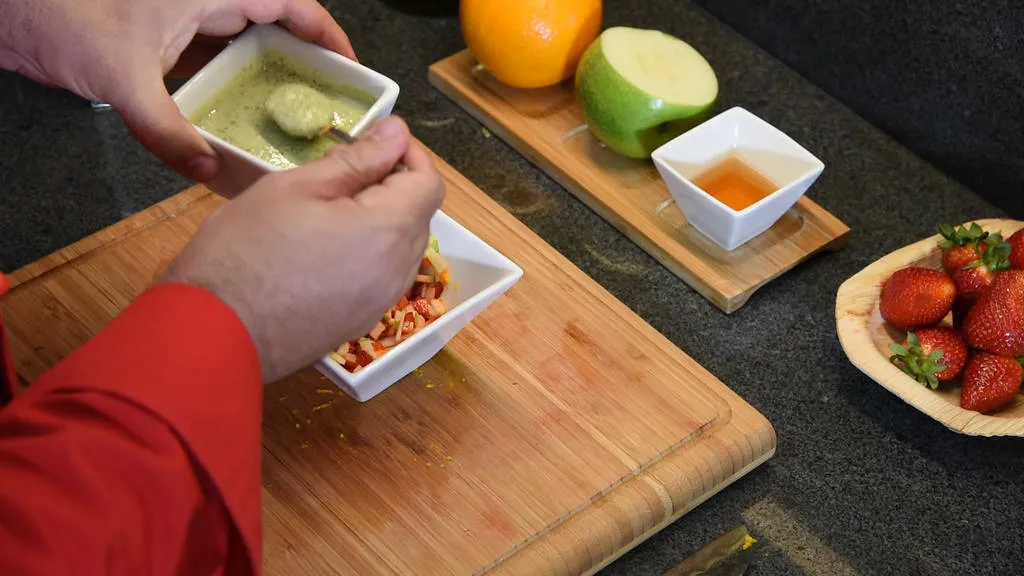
point(912, 360)
point(961, 236)
point(995, 258)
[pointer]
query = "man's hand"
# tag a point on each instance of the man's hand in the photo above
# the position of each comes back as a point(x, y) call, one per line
point(312, 257)
point(118, 51)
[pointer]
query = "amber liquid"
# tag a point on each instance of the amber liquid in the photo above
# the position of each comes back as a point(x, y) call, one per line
point(734, 182)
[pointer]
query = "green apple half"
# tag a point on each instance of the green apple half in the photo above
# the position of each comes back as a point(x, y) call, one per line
point(641, 88)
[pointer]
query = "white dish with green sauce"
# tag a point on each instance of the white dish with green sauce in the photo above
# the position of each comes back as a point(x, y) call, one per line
point(228, 102)
point(239, 112)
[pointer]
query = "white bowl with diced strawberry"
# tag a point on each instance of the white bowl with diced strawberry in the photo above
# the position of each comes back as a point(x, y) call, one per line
point(459, 277)
point(940, 323)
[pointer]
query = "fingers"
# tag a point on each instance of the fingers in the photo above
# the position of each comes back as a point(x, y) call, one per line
point(310, 21)
point(154, 119)
point(195, 56)
point(348, 169)
point(415, 194)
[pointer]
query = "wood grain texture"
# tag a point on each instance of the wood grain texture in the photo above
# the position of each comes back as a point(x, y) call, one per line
point(545, 126)
point(865, 338)
point(555, 432)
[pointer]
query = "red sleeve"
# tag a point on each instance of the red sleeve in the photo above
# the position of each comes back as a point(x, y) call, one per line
point(140, 452)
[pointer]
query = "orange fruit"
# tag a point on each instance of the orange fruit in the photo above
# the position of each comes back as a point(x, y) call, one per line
point(530, 43)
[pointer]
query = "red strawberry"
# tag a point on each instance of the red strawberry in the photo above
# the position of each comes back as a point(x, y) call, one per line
point(963, 245)
point(974, 279)
point(956, 259)
point(990, 382)
point(932, 355)
point(1016, 242)
point(996, 322)
point(916, 297)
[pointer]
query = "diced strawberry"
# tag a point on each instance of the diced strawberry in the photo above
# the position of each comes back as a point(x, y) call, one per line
point(422, 307)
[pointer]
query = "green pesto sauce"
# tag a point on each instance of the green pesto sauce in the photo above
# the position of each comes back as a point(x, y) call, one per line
point(237, 113)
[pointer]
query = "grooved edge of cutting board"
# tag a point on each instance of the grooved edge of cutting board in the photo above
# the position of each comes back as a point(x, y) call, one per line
point(547, 127)
point(312, 515)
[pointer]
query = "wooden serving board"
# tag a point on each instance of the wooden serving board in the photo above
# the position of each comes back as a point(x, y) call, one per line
point(865, 337)
point(548, 127)
point(555, 432)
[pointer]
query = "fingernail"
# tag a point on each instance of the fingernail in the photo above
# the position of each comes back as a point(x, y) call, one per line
point(203, 168)
point(387, 129)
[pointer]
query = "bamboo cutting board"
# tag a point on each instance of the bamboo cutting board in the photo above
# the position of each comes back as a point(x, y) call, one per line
point(555, 432)
point(548, 127)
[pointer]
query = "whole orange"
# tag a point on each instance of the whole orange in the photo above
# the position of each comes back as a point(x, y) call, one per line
point(530, 43)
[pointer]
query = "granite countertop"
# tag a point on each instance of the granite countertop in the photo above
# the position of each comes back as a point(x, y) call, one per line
point(861, 483)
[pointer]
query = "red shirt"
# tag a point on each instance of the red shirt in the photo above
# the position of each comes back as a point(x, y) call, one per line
point(140, 452)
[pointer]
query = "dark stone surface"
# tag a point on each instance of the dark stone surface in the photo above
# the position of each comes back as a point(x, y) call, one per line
point(861, 483)
point(946, 79)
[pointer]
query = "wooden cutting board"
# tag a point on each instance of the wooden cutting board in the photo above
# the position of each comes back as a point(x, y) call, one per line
point(547, 126)
point(555, 432)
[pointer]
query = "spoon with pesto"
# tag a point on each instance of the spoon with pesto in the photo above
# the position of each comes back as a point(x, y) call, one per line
point(304, 112)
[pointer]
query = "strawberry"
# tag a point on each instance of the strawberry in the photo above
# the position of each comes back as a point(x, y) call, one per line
point(996, 322)
point(932, 355)
point(990, 382)
point(916, 297)
point(1016, 242)
point(963, 245)
point(976, 277)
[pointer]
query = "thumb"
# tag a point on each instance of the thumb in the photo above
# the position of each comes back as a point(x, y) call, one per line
point(155, 121)
point(348, 169)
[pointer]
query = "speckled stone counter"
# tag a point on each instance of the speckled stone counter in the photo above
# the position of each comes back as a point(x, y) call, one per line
point(861, 483)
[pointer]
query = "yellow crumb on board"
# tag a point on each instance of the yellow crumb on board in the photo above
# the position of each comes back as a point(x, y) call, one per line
point(341, 435)
point(305, 444)
point(324, 391)
point(308, 421)
point(297, 425)
point(282, 398)
point(431, 385)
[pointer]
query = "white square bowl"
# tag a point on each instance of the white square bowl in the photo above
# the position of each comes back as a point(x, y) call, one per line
point(239, 169)
point(479, 275)
point(757, 143)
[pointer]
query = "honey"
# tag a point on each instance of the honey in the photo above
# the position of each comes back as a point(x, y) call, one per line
point(734, 182)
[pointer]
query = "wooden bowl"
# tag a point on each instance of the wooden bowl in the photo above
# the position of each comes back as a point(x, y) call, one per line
point(865, 338)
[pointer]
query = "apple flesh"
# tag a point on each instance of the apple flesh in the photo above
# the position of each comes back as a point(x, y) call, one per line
point(641, 88)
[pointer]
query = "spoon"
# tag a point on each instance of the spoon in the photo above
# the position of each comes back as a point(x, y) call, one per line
point(303, 112)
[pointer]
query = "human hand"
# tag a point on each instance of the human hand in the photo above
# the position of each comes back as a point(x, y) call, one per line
point(118, 51)
point(312, 257)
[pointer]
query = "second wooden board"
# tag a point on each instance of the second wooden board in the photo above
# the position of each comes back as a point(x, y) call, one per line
point(548, 127)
